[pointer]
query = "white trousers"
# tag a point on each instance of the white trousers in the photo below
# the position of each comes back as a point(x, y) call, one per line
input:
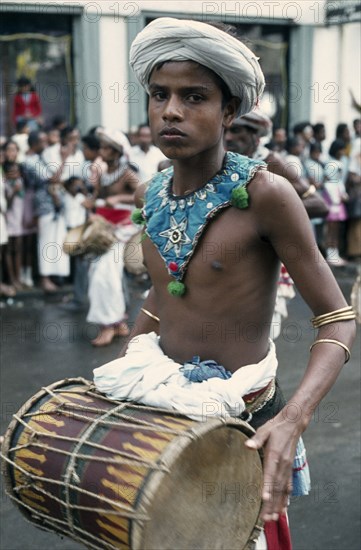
point(52, 258)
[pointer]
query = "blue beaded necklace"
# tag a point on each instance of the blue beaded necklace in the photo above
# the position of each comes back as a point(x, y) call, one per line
point(175, 223)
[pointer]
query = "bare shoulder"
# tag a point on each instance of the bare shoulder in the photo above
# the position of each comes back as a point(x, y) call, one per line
point(276, 205)
point(281, 219)
point(267, 187)
point(140, 193)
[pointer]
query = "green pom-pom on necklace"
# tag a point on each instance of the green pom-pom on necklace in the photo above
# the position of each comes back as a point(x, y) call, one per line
point(176, 288)
point(239, 197)
point(137, 217)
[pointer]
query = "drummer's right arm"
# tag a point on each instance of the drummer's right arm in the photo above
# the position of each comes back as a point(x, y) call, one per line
point(144, 323)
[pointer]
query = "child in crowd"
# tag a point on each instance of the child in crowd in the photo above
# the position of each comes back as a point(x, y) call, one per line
point(10, 151)
point(21, 139)
point(27, 104)
point(14, 190)
point(335, 195)
point(75, 215)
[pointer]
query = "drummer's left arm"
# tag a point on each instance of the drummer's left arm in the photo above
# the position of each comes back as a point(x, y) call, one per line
point(277, 207)
point(147, 320)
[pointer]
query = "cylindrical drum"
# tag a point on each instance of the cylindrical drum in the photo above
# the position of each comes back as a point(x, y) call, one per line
point(117, 475)
point(133, 255)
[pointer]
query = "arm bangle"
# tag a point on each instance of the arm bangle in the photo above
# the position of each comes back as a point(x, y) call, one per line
point(150, 314)
point(343, 314)
point(330, 341)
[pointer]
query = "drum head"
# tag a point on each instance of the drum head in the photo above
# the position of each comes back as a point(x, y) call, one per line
point(212, 498)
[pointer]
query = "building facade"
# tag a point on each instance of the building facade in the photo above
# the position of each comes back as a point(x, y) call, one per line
point(76, 53)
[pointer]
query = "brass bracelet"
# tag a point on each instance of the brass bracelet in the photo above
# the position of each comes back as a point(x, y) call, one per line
point(150, 314)
point(345, 317)
point(344, 314)
point(310, 191)
point(330, 341)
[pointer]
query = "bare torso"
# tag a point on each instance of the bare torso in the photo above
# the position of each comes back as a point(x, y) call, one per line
point(125, 184)
point(231, 283)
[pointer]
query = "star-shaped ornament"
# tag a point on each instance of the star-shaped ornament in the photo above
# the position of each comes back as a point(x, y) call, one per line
point(176, 235)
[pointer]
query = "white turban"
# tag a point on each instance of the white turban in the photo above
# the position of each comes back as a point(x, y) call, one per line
point(257, 120)
point(168, 39)
point(116, 138)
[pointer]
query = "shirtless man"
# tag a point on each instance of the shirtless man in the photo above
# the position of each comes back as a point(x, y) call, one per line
point(219, 304)
point(243, 137)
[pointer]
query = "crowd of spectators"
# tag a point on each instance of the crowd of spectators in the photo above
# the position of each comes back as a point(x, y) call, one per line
point(335, 171)
point(51, 182)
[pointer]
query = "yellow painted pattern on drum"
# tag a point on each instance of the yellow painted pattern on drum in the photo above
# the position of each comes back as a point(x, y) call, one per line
point(26, 453)
point(155, 442)
point(24, 437)
point(40, 429)
point(29, 494)
point(23, 454)
point(34, 505)
point(77, 397)
point(115, 543)
point(131, 478)
point(113, 530)
point(119, 490)
point(28, 468)
point(121, 523)
point(140, 451)
point(47, 416)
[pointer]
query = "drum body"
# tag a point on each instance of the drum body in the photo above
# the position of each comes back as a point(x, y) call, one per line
point(95, 237)
point(116, 475)
point(133, 255)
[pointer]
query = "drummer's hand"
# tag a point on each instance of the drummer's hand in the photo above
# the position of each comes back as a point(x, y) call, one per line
point(279, 437)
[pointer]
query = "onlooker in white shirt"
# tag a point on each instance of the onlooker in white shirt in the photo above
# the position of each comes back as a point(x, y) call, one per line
point(75, 213)
point(145, 155)
point(73, 166)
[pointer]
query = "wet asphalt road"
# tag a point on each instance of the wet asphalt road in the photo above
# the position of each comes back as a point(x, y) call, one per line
point(42, 343)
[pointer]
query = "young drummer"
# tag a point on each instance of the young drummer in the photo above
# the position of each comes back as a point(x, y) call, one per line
point(217, 226)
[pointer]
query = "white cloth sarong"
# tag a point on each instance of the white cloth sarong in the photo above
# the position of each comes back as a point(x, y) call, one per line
point(146, 375)
point(105, 290)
